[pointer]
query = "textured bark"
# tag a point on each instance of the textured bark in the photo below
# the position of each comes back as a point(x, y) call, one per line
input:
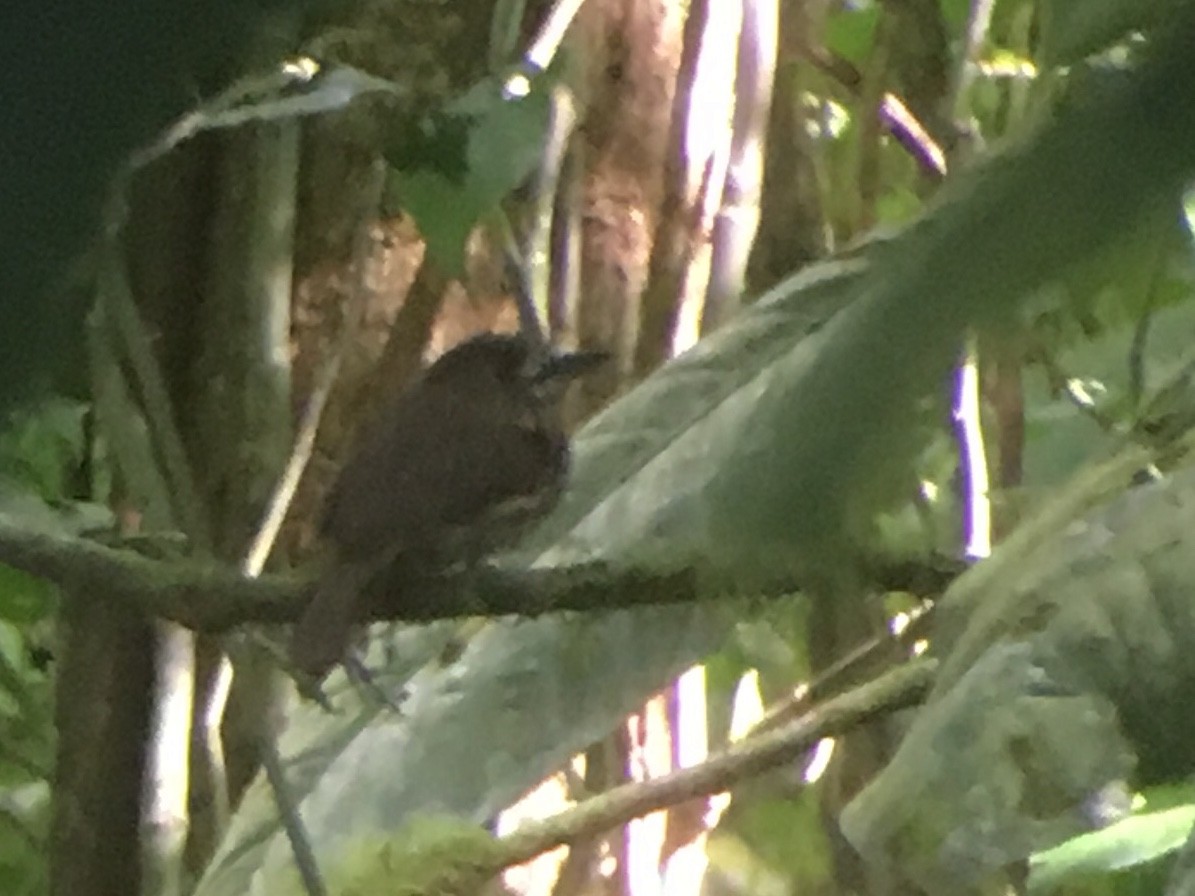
point(737, 220)
point(677, 227)
point(103, 703)
point(793, 230)
point(630, 52)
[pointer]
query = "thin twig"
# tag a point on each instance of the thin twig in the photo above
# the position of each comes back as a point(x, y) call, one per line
point(736, 222)
point(295, 89)
point(678, 221)
point(852, 662)
point(536, 249)
point(911, 134)
point(292, 824)
point(531, 321)
point(1137, 348)
point(896, 117)
point(902, 687)
point(564, 264)
point(979, 20)
point(120, 310)
point(280, 502)
point(288, 483)
point(551, 33)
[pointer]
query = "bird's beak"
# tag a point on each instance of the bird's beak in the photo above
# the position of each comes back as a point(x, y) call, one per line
point(564, 366)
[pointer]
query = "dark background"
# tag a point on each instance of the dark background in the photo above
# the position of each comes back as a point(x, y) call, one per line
point(84, 81)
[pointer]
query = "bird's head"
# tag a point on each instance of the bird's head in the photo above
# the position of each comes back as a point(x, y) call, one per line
point(511, 360)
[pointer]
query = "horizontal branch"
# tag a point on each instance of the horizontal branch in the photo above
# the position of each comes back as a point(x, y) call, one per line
point(214, 599)
point(200, 597)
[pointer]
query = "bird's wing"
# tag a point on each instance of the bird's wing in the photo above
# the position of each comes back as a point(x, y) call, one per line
point(405, 484)
point(376, 498)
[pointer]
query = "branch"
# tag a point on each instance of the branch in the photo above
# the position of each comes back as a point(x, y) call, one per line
point(209, 598)
point(198, 596)
point(904, 686)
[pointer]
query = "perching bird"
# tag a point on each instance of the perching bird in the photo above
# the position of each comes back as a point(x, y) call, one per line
point(453, 468)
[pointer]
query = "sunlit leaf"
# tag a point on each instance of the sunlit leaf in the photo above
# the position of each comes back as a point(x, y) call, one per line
point(474, 153)
point(850, 31)
point(1134, 841)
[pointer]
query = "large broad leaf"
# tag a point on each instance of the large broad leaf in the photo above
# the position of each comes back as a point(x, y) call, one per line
point(1074, 29)
point(1066, 671)
point(748, 458)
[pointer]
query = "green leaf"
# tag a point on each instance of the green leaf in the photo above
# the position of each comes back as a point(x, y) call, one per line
point(955, 13)
point(446, 213)
point(469, 158)
point(24, 817)
point(850, 32)
point(770, 840)
point(1061, 436)
point(23, 598)
point(20, 506)
point(39, 447)
point(1075, 29)
point(1064, 672)
point(1133, 841)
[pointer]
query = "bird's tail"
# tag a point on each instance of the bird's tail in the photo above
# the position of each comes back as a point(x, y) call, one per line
point(322, 636)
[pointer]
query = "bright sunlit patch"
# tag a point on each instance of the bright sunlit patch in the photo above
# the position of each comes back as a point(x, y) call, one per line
point(820, 760)
point(1084, 392)
point(685, 870)
point(538, 876)
point(900, 622)
point(747, 708)
point(516, 87)
point(747, 711)
point(301, 68)
point(1007, 65)
point(718, 804)
point(829, 119)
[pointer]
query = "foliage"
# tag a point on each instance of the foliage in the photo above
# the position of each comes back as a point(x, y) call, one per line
point(767, 455)
point(429, 856)
point(467, 158)
point(40, 452)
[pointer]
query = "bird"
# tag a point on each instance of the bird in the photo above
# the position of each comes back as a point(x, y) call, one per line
point(454, 467)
